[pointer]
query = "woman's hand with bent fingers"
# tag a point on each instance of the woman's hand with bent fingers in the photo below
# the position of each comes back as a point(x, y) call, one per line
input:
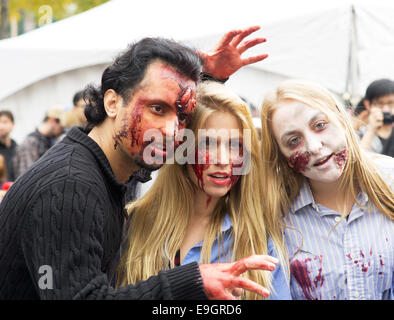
point(220, 279)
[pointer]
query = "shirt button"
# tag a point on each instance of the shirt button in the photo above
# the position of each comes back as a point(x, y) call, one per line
point(337, 219)
point(356, 294)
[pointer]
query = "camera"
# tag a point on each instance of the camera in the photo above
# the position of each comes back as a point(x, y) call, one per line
point(388, 118)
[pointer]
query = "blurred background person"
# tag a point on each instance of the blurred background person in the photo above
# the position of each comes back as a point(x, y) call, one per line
point(377, 134)
point(359, 115)
point(4, 183)
point(39, 141)
point(76, 116)
point(7, 145)
point(3, 171)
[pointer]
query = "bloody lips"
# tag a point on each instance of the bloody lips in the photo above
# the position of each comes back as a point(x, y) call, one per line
point(220, 178)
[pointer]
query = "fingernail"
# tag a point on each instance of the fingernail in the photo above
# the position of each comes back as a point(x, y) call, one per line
point(272, 266)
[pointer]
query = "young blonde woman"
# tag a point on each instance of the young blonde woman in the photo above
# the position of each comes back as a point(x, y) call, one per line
point(337, 200)
point(203, 212)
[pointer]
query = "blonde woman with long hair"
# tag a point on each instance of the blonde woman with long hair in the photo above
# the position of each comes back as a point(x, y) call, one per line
point(203, 212)
point(337, 200)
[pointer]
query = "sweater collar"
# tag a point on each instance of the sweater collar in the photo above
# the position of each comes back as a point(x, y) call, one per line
point(78, 134)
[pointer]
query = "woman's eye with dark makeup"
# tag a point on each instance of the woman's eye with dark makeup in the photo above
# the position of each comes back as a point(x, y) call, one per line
point(321, 125)
point(293, 141)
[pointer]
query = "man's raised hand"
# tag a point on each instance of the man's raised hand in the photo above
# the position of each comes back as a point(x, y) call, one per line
point(225, 59)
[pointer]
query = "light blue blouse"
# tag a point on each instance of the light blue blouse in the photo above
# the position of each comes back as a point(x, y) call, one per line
point(281, 290)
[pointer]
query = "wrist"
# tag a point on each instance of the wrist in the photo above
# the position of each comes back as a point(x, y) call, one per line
point(206, 76)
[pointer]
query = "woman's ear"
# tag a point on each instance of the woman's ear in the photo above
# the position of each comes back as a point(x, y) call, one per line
point(111, 103)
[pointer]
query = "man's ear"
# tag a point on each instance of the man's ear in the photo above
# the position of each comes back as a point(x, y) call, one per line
point(367, 104)
point(112, 102)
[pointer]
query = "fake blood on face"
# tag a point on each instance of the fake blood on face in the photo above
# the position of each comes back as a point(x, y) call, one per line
point(199, 168)
point(299, 161)
point(340, 158)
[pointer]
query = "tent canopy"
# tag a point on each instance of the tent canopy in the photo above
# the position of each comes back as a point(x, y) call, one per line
point(342, 44)
point(306, 39)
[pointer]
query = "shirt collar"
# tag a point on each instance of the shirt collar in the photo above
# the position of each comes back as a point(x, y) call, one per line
point(303, 199)
point(362, 198)
point(226, 224)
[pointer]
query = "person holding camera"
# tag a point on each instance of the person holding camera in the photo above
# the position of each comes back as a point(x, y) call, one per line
point(377, 135)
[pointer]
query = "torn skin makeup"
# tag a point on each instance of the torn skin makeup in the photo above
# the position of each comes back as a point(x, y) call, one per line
point(299, 160)
point(162, 85)
point(186, 99)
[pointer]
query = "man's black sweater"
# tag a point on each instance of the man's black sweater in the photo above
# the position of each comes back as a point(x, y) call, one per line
point(65, 216)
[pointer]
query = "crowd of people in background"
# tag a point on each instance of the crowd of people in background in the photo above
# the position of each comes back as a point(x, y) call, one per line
point(16, 158)
point(294, 224)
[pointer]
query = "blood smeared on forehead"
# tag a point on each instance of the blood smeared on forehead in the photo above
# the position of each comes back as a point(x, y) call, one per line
point(186, 99)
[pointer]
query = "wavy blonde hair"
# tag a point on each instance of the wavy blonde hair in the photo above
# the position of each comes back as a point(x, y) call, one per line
point(359, 171)
point(160, 217)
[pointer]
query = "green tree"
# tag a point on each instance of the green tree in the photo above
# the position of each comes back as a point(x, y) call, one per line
point(16, 10)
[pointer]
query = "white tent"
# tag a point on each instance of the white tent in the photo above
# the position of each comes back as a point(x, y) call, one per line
point(342, 44)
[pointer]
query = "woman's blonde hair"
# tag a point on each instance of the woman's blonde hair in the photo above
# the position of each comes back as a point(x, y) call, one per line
point(3, 169)
point(359, 171)
point(160, 217)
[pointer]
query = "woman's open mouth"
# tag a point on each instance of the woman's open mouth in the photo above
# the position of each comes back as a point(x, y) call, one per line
point(219, 178)
point(322, 161)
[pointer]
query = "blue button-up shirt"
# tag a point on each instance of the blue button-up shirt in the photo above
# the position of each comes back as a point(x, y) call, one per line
point(351, 258)
point(281, 290)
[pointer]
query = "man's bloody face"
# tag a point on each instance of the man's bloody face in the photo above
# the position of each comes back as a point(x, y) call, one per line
point(163, 103)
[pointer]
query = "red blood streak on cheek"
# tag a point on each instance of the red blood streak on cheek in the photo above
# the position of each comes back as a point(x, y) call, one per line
point(135, 129)
point(299, 161)
point(199, 168)
point(122, 133)
point(340, 158)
